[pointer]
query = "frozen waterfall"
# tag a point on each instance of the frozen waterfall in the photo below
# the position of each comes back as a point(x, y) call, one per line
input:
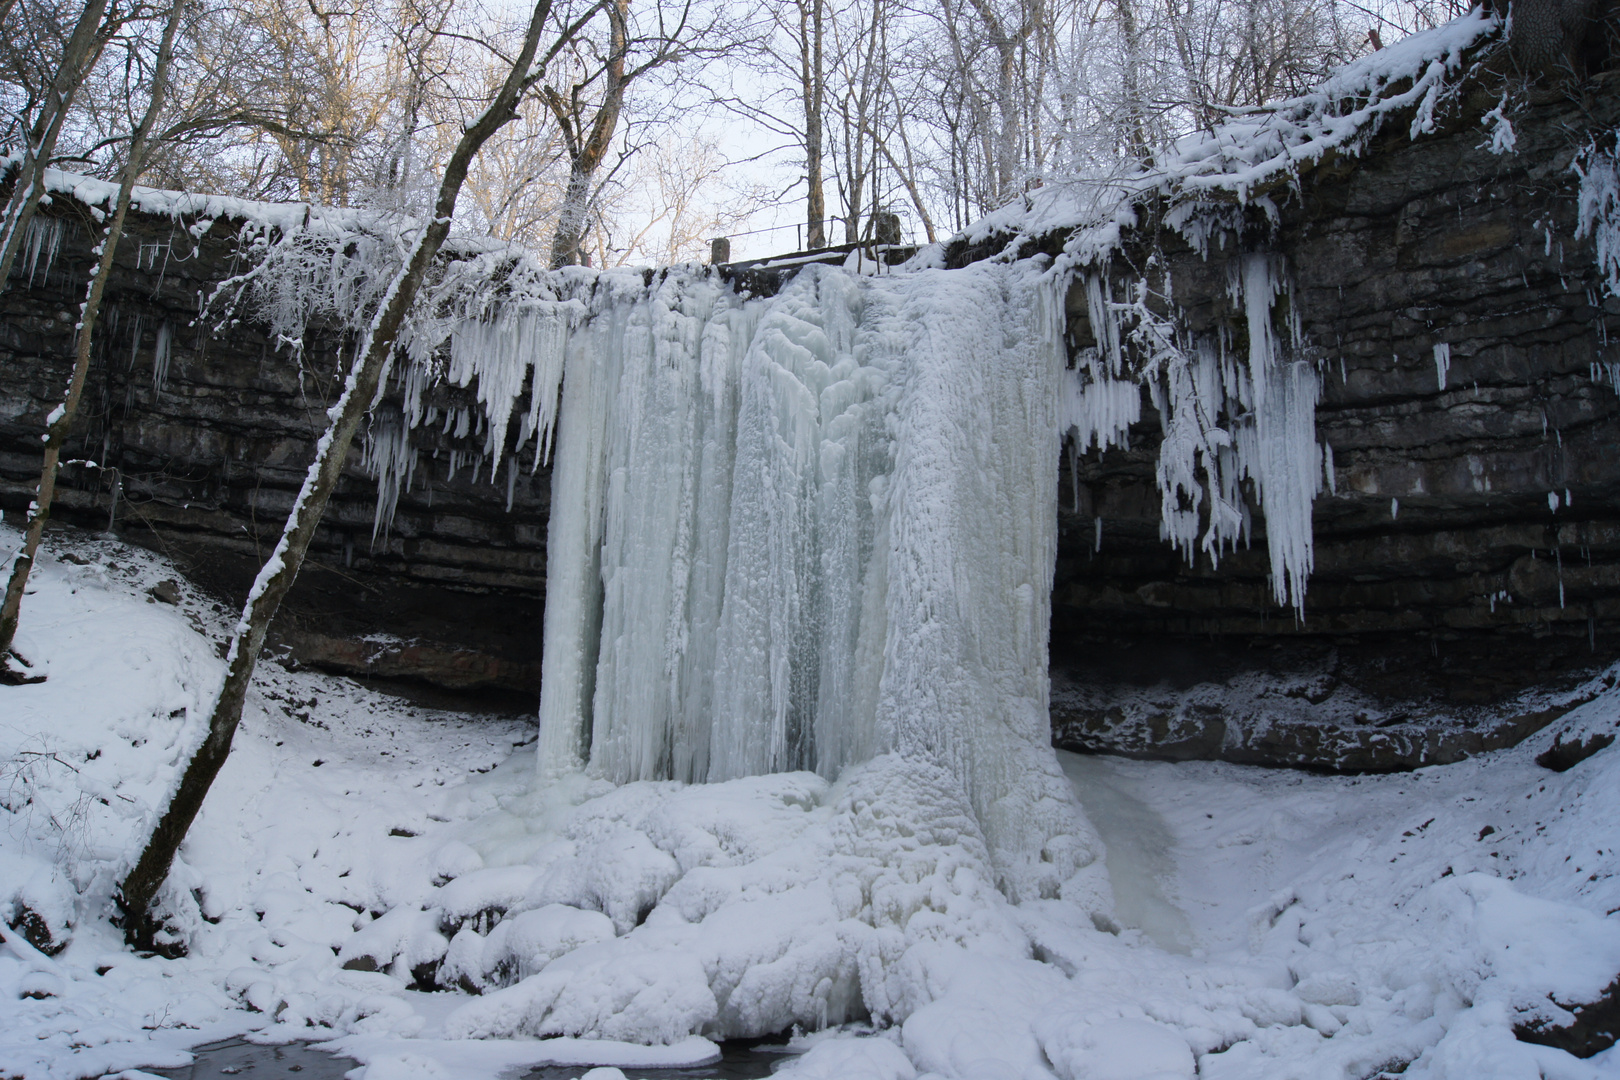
point(799, 532)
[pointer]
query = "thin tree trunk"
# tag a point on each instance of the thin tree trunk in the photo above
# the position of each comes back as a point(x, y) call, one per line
point(586, 156)
point(814, 83)
point(1135, 118)
point(1002, 151)
point(912, 191)
point(139, 888)
point(571, 221)
point(61, 419)
point(79, 55)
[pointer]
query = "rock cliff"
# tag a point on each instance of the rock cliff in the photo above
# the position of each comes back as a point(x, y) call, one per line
point(1469, 548)
point(201, 436)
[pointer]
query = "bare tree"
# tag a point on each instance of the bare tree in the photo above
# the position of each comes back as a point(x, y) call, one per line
point(517, 183)
point(811, 42)
point(861, 36)
point(590, 103)
point(587, 127)
point(62, 417)
point(676, 196)
point(43, 116)
point(140, 886)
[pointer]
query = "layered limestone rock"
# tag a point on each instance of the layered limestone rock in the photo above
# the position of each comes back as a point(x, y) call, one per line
point(200, 438)
point(1468, 547)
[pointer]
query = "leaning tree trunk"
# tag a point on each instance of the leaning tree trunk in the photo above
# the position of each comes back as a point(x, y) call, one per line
point(82, 48)
point(61, 418)
point(139, 888)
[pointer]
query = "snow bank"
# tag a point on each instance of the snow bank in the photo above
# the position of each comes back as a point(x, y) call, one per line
point(747, 907)
point(1324, 926)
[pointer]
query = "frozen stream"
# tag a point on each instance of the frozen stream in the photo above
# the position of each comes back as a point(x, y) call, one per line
point(300, 1061)
point(1142, 851)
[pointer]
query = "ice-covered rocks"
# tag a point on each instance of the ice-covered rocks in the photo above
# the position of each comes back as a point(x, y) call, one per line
point(41, 904)
point(737, 909)
point(520, 946)
point(401, 941)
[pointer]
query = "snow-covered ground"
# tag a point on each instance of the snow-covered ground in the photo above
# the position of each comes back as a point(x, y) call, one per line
point(1258, 924)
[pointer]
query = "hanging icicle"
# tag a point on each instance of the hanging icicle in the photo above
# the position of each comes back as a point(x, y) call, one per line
point(161, 351)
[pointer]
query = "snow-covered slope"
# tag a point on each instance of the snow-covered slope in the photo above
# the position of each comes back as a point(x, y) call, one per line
point(1262, 924)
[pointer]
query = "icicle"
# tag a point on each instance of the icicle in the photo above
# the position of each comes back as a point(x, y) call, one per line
point(160, 356)
point(1104, 321)
point(44, 237)
point(1098, 411)
point(134, 343)
point(501, 353)
point(1598, 209)
point(1442, 362)
point(1279, 449)
point(390, 460)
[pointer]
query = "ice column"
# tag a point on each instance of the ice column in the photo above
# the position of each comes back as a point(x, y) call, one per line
point(1278, 448)
point(972, 541)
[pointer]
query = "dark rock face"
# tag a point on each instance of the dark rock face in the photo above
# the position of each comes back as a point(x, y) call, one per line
point(1563, 756)
point(205, 458)
point(1446, 581)
point(1444, 575)
point(1298, 704)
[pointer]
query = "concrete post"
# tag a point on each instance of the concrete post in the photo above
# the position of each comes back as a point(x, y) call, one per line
point(886, 227)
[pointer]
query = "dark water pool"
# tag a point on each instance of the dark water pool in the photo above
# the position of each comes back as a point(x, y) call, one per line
point(234, 1057)
point(739, 1060)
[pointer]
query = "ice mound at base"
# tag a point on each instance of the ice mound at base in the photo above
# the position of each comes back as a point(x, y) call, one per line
point(747, 907)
